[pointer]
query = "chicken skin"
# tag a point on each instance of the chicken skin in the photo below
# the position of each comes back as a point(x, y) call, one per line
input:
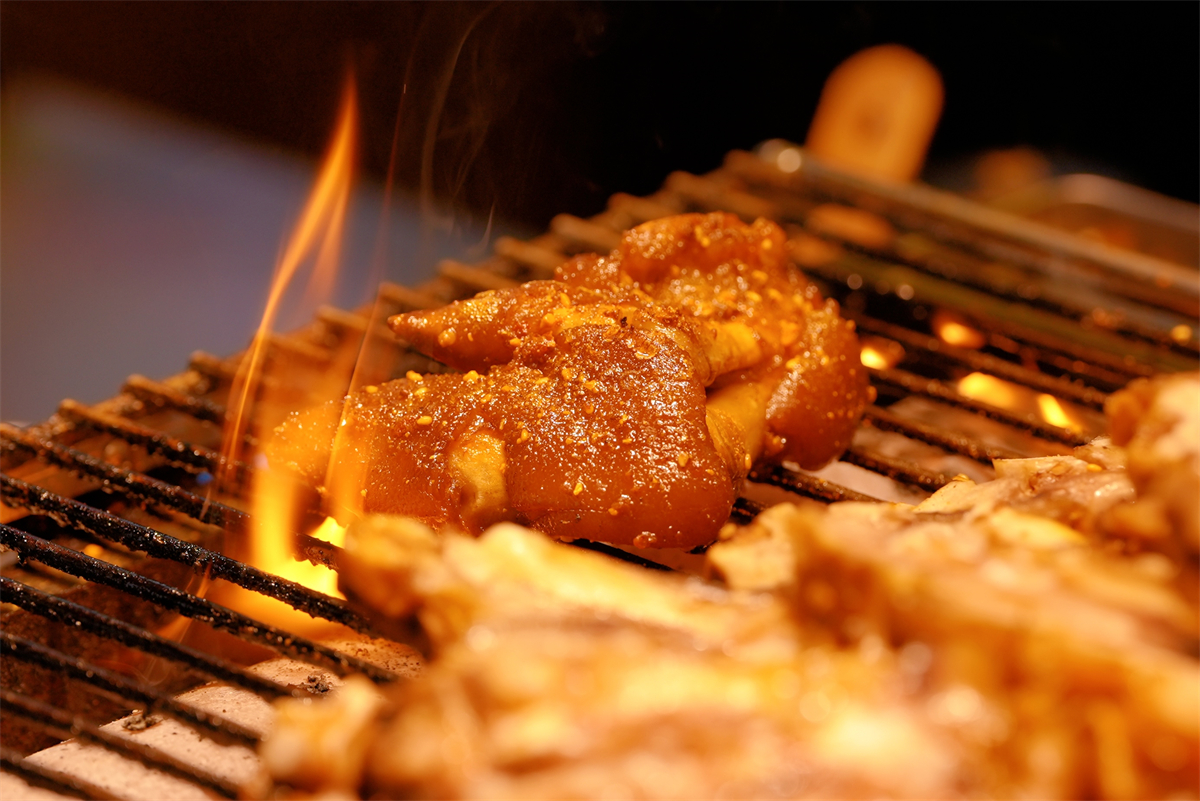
point(625, 401)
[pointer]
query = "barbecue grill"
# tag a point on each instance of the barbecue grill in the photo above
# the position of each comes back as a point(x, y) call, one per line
point(112, 530)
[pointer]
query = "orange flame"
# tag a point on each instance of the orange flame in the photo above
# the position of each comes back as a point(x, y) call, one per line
point(879, 353)
point(1017, 398)
point(323, 218)
point(996, 391)
point(873, 358)
point(330, 531)
point(953, 330)
point(1055, 414)
point(274, 509)
point(275, 497)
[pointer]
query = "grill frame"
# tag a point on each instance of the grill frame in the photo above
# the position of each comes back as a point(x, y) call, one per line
point(67, 457)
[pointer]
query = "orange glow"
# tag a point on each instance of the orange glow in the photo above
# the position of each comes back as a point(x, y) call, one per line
point(320, 227)
point(873, 358)
point(275, 504)
point(330, 531)
point(989, 389)
point(1020, 399)
point(811, 251)
point(953, 330)
point(852, 225)
point(274, 513)
point(1054, 413)
point(879, 353)
point(274, 510)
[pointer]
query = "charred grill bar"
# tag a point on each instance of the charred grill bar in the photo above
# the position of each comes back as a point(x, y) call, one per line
point(31, 548)
point(140, 538)
point(98, 493)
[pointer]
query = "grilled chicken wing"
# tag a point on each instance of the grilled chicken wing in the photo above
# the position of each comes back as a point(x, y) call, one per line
point(622, 402)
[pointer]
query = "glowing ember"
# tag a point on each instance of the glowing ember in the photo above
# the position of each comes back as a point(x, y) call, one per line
point(879, 353)
point(1054, 413)
point(953, 330)
point(996, 391)
point(873, 358)
point(1023, 400)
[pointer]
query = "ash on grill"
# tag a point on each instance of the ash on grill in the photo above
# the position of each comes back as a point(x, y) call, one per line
point(110, 535)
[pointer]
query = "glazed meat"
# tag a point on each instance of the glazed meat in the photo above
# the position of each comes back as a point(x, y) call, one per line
point(998, 640)
point(623, 401)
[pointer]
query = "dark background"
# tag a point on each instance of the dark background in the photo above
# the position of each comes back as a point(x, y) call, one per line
point(554, 106)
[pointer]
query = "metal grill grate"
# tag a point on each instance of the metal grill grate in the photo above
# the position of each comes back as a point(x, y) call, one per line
point(114, 497)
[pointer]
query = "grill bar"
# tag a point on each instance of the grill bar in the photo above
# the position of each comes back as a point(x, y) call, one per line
point(85, 619)
point(63, 724)
point(975, 226)
point(121, 688)
point(964, 446)
point(406, 298)
point(1065, 299)
point(896, 469)
point(1061, 298)
point(162, 395)
point(984, 362)
point(932, 388)
point(475, 277)
point(51, 780)
point(186, 604)
point(617, 553)
point(1023, 321)
point(1125, 366)
point(744, 510)
point(194, 458)
point(355, 324)
point(591, 235)
point(128, 482)
point(147, 488)
point(807, 485)
point(216, 369)
point(139, 538)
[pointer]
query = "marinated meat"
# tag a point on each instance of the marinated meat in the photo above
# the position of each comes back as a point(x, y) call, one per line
point(624, 401)
point(1001, 639)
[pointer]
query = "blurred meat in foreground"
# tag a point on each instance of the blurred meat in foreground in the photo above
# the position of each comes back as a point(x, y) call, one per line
point(1016, 638)
point(623, 401)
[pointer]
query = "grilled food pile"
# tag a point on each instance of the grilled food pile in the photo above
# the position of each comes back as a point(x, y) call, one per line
point(1031, 636)
point(1013, 638)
